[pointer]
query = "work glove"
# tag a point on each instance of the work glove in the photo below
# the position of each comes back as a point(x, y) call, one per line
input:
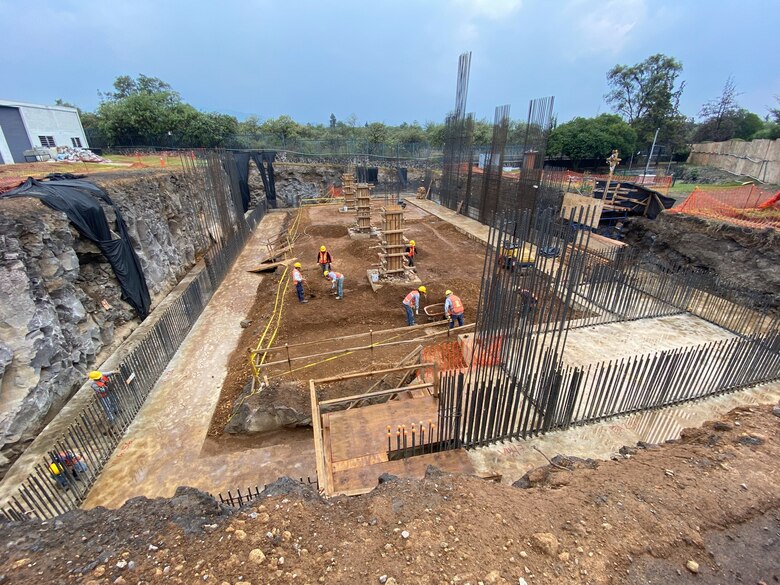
point(417, 311)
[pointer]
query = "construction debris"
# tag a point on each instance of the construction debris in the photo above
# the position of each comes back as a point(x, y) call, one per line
point(68, 154)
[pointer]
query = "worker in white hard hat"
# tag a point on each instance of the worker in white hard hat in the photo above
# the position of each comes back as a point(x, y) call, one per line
point(453, 308)
point(298, 280)
point(324, 259)
point(411, 304)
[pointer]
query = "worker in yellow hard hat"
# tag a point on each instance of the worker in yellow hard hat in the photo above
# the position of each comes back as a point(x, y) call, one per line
point(453, 308)
point(105, 395)
point(411, 304)
point(324, 259)
point(298, 280)
point(410, 252)
point(337, 282)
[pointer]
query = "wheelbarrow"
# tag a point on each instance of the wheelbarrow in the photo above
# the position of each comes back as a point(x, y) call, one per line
point(434, 312)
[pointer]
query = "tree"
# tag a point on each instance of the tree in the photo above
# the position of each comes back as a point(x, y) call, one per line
point(125, 86)
point(283, 127)
point(333, 120)
point(592, 138)
point(647, 95)
point(719, 114)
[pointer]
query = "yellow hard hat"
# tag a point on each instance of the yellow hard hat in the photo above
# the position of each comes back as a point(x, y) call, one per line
point(422, 289)
point(322, 248)
point(447, 293)
point(95, 375)
point(411, 242)
point(297, 265)
point(325, 273)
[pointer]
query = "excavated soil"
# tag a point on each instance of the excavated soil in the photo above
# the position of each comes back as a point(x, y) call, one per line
point(704, 509)
point(446, 260)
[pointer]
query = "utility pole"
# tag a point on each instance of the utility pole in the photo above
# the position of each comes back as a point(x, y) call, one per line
point(652, 148)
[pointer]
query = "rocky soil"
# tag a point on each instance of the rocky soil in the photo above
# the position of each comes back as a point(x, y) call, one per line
point(704, 509)
point(60, 302)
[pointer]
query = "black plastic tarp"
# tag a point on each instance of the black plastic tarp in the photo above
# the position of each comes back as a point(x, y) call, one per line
point(269, 181)
point(79, 200)
point(367, 175)
point(242, 166)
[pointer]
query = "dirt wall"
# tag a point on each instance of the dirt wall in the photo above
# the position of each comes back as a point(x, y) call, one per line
point(54, 324)
point(744, 260)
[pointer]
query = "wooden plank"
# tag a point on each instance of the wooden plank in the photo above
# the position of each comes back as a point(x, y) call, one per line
point(376, 394)
point(372, 373)
point(319, 457)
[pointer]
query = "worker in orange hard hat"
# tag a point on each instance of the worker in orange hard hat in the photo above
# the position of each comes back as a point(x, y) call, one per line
point(410, 252)
point(324, 259)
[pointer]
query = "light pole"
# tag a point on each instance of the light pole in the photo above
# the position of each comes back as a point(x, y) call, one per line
point(650, 157)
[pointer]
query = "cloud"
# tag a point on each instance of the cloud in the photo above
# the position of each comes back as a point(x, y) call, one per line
point(490, 9)
point(606, 27)
point(471, 15)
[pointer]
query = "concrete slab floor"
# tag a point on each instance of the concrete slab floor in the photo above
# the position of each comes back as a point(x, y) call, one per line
point(512, 459)
point(619, 340)
point(164, 447)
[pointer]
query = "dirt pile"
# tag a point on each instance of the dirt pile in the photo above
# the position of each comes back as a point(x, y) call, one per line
point(743, 260)
point(709, 503)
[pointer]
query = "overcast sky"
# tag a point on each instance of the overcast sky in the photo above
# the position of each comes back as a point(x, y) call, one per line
point(383, 60)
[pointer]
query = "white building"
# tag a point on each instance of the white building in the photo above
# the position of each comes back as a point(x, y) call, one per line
point(24, 127)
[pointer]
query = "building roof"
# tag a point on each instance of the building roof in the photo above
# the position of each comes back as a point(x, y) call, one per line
point(14, 104)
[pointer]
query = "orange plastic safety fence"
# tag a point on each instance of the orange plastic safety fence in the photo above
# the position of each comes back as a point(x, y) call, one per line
point(747, 206)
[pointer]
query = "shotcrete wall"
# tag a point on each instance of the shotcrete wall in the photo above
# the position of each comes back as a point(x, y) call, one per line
point(60, 304)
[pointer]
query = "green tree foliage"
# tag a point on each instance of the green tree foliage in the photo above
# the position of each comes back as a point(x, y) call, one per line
point(647, 95)
point(589, 138)
point(146, 111)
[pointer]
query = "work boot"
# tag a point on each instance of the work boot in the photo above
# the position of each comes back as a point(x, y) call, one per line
point(304, 301)
point(339, 298)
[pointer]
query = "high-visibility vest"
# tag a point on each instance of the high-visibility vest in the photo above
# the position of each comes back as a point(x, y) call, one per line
point(412, 295)
point(411, 251)
point(323, 258)
point(102, 387)
point(457, 305)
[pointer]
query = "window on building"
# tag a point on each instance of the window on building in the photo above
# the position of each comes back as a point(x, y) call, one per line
point(76, 142)
point(47, 141)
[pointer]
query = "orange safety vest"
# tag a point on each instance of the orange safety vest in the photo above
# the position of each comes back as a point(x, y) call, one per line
point(324, 258)
point(457, 305)
point(411, 251)
point(103, 387)
point(410, 296)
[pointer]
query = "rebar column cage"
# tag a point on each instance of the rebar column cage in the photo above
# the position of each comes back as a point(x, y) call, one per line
point(392, 243)
point(363, 207)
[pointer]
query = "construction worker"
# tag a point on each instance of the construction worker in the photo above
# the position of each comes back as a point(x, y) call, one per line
point(410, 252)
point(412, 303)
point(298, 280)
point(337, 279)
point(105, 395)
point(453, 308)
point(58, 472)
point(324, 259)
